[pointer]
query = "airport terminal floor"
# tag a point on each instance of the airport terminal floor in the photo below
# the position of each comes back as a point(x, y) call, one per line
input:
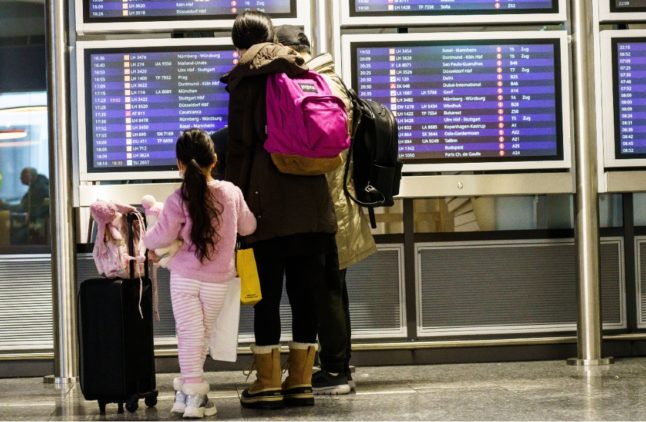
point(546, 390)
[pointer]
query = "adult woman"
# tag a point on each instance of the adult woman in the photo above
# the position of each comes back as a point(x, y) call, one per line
point(295, 216)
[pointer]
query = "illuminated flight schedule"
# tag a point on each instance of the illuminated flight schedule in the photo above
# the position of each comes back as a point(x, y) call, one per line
point(139, 101)
point(416, 7)
point(467, 101)
point(630, 97)
point(101, 10)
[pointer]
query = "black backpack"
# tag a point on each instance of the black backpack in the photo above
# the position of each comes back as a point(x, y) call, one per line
point(376, 168)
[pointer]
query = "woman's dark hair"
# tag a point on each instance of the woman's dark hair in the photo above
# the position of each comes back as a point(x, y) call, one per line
point(194, 150)
point(251, 27)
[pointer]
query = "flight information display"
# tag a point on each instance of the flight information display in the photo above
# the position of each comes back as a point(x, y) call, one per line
point(433, 7)
point(117, 10)
point(629, 74)
point(458, 101)
point(139, 100)
point(628, 5)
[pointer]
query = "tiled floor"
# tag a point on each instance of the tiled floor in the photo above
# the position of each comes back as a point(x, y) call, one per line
point(505, 391)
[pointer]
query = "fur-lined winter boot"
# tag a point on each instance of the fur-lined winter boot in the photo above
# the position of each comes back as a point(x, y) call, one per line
point(198, 404)
point(297, 388)
point(180, 398)
point(265, 392)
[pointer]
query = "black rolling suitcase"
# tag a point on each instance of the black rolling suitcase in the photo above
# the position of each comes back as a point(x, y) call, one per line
point(116, 342)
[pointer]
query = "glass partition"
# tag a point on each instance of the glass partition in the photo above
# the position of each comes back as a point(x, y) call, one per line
point(24, 170)
point(488, 213)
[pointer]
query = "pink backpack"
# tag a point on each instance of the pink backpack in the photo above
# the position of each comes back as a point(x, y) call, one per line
point(110, 251)
point(307, 125)
point(117, 224)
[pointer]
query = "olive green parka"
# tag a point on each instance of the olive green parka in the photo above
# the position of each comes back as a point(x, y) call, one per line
point(353, 237)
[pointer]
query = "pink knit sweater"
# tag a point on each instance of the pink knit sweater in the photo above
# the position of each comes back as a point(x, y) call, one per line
point(174, 223)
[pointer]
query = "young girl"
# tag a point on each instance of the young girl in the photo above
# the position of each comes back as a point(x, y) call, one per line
point(206, 215)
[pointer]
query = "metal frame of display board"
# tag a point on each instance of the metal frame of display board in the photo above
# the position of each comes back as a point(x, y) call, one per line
point(450, 19)
point(81, 157)
point(615, 175)
point(303, 12)
point(607, 15)
point(566, 102)
point(608, 100)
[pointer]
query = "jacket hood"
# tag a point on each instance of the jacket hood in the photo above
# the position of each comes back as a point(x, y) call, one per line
point(323, 63)
point(40, 179)
point(265, 59)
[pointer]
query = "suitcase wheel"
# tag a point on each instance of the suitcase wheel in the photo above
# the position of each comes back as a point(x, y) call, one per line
point(132, 404)
point(102, 407)
point(151, 399)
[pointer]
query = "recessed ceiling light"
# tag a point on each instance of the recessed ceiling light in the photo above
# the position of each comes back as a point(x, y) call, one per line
point(17, 144)
point(6, 135)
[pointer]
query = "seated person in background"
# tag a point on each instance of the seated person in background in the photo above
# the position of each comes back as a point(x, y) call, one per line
point(34, 204)
point(36, 201)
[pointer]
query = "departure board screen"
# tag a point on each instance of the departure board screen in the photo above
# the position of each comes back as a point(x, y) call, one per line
point(467, 101)
point(440, 7)
point(629, 74)
point(627, 6)
point(142, 10)
point(139, 100)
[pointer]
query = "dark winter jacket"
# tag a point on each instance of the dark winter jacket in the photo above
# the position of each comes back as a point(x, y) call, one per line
point(283, 204)
point(36, 201)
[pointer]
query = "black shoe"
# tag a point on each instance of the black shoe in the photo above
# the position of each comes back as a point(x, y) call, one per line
point(324, 382)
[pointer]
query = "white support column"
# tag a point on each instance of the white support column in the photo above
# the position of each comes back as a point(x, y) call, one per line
point(61, 211)
point(322, 26)
point(589, 334)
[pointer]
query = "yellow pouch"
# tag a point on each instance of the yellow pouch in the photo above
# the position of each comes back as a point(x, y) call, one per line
point(250, 293)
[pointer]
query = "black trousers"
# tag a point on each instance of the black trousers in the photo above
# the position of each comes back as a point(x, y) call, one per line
point(301, 273)
point(333, 307)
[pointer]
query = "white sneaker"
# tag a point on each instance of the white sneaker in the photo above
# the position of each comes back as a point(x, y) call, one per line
point(180, 398)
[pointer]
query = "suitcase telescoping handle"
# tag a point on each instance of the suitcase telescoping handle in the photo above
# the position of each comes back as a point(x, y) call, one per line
point(131, 217)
